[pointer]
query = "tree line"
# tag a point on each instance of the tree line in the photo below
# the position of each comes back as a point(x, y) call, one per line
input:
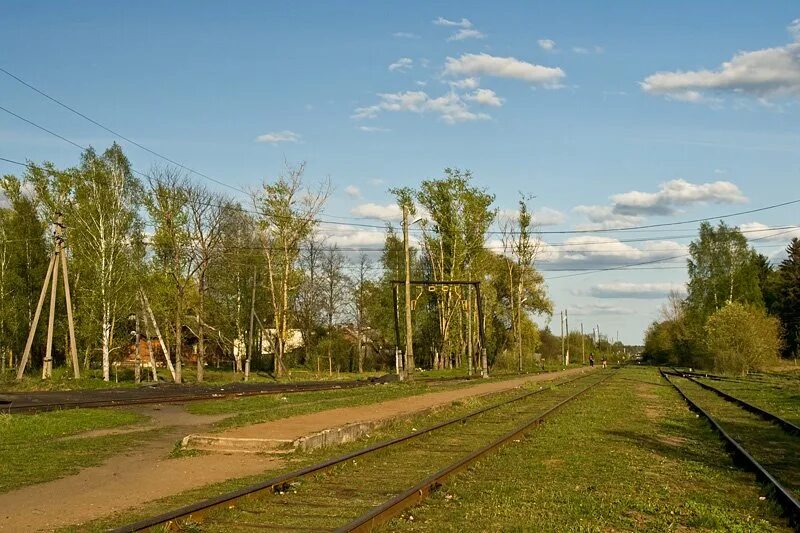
point(199, 275)
point(740, 312)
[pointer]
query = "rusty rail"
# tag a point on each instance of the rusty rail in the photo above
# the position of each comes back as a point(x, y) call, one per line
point(783, 496)
point(388, 510)
point(195, 511)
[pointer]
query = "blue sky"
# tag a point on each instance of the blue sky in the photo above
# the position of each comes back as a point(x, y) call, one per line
point(579, 103)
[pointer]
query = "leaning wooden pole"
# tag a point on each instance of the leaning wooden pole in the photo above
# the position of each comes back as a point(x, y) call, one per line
point(73, 348)
point(47, 366)
point(34, 324)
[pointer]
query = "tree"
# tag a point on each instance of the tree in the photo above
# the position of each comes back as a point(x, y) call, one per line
point(23, 261)
point(453, 240)
point(207, 213)
point(287, 216)
point(102, 220)
point(742, 338)
point(174, 259)
point(520, 248)
point(334, 290)
point(359, 299)
point(309, 300)
point(722, 269)
point(787, 304)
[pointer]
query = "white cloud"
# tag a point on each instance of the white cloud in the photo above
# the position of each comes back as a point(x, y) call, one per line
point(352, 236)
point(599, 309)
point(548, 217)
point(466, 33)
point(794, 29)
point(604, 217)
point(541, 217)
point(594, 251)
point(485, 97)
point(403, 64)
point(463, 23)
point(466, 83)
point(585, 50)
point(766, 73)
point(450, 107)
point(373, 129)
point(388, 212)
point(276, 137)
point(377, 182)
point(352, 191)
point(405, 35)
point(502, 67)
point(421, 83)
point(546, 44)
point(676, 193)
point(635, 290)
point(762, 232)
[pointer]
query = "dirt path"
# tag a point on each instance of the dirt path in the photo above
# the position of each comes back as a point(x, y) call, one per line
point(301, 425)
point(129, 480)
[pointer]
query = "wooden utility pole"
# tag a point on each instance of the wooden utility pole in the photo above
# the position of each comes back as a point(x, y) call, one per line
point(57, 259)
point(562, 337)
point(583, 346)
point(566, 319)
point(409, 332)
point(250, 332)
point(137, 369)
point(470, 352)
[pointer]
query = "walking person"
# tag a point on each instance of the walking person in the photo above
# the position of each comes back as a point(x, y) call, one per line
point(591, 359)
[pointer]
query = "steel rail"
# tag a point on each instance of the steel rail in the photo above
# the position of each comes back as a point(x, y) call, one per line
point(766, 415)
point(26, 408)
point(784, 497)
point(391, 508)
point(277, 483)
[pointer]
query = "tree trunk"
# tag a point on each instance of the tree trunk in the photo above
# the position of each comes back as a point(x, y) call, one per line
point(160, 337)
point(178, 339)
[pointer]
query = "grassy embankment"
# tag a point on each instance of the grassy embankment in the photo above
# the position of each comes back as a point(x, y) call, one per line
point(628, 456)
point(42, 447)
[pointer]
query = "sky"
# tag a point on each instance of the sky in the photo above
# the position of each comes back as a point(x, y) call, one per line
point(612, 114)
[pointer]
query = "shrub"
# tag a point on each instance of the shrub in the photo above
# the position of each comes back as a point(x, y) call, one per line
point(742, 338)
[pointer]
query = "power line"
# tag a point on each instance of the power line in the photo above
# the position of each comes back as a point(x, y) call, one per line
point(549, 232)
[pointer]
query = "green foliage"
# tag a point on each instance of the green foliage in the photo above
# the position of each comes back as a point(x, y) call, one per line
point(787, 300)
point(742, 338)
point(722, 269)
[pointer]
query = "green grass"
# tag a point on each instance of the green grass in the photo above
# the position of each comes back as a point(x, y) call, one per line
point(298, 459)
point(780, 396)
point(255, 409)
point(629, 456)
point(92, 379)
point(34, 448)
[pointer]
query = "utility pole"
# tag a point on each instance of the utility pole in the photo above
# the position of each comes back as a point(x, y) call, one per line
point(566, 319)
point(583, 346)
point(58, 258)
point(562, 336)
point(250, 332)
point(409, 333)
point(470, 353)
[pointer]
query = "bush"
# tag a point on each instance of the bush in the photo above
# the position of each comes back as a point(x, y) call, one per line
point(742, 338)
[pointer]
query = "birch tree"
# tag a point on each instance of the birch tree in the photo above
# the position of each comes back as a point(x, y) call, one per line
point(334, 290)
point(287, 216)
point(103, 222)
point(174, 259)
point(360, 294)
point(206, 212)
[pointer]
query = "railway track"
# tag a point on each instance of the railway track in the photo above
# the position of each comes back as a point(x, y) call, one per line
point(774, 460)
point(36, 402)
point(362, 489)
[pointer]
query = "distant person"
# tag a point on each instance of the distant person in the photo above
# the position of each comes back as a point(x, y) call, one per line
point(591, 359)
point(604, 362)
